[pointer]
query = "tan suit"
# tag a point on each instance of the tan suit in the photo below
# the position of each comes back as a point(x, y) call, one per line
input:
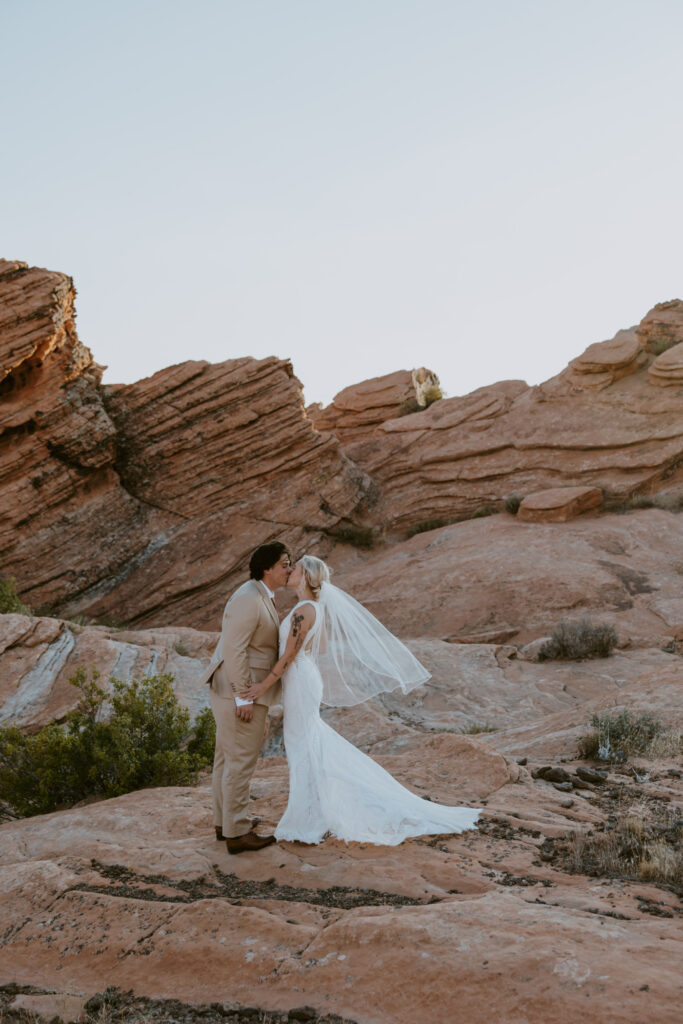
point(246, 651)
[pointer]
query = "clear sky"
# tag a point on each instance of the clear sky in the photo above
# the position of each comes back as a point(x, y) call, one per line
point(483, 187)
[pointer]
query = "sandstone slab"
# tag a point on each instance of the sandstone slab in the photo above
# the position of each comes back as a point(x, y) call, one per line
point(559, 504)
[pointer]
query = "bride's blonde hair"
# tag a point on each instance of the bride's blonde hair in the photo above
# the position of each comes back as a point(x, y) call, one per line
point(315, 573)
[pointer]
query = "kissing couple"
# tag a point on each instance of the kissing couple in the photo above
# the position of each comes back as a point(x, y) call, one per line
point(329, 650)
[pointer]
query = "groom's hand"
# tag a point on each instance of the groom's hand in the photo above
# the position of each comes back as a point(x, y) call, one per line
point(245, 713)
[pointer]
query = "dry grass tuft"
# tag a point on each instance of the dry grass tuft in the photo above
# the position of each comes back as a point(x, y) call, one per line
point(637, 847)
point(618, 736)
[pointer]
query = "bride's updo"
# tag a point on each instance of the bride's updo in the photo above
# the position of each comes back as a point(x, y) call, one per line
point(315, 573)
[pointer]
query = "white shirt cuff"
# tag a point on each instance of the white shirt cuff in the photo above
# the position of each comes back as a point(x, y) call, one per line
point(243, 703)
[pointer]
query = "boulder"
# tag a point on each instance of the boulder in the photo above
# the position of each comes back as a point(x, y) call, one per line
point(605, 362)
point(359, 410)
point(667, 369)
point(559, 504)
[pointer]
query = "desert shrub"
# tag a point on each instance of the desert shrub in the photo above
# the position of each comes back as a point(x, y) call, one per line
point(574, 641)
point(512, 503)
point(476, 727)
point(9, 599)
point(182, 649)
point(426, 525)
point(618, 736)
point(147, 740)
point(431, 394)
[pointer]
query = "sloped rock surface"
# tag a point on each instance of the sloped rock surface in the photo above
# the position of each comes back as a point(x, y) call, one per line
point(497, 579)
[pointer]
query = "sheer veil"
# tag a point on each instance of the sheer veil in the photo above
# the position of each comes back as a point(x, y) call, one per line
point(357, 656)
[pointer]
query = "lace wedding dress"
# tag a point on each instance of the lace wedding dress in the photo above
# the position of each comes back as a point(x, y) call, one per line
point(335, 789)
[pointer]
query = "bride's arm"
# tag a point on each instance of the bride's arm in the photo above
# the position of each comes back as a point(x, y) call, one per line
point(302, 620)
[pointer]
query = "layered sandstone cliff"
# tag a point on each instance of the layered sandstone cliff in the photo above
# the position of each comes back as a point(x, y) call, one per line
point(600, 423)
point(141, 503)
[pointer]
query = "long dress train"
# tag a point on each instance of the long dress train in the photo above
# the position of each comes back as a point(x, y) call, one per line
point(334, 788)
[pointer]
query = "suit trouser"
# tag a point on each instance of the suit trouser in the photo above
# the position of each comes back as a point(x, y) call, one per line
point(238, 744)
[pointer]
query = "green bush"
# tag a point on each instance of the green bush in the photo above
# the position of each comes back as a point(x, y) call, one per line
point(9, 599)
point(574, 641)
point(147, 740)
point(202, 745)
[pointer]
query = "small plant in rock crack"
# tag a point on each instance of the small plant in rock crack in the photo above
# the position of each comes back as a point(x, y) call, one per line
point(512, 503)
point(10, 602)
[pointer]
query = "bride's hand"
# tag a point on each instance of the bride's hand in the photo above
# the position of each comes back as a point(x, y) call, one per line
point(252, 692)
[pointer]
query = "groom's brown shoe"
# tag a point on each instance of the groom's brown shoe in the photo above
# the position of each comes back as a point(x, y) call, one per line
point(255, 822)
point(250, 841)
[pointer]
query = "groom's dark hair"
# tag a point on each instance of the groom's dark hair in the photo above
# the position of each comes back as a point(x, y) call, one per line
point(265, 557)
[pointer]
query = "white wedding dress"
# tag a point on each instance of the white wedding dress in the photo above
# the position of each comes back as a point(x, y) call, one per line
point(335, 789)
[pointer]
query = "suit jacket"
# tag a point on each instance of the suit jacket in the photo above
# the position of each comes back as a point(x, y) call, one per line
point(248, 644)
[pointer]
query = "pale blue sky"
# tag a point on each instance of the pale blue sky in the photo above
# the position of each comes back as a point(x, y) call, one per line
point(360, 185)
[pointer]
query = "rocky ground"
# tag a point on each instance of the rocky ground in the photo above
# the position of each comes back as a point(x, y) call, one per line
point(136, 893)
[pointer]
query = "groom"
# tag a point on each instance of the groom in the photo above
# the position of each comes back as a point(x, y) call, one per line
point(246, 652)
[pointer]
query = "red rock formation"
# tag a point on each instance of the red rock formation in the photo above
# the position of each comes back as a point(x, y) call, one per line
point(143, 502)
point(358, 411)
point(599, 423)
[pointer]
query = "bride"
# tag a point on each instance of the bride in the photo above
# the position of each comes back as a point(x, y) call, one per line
point(333, 650)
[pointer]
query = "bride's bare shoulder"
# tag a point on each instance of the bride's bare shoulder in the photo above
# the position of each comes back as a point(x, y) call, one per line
point(305, 611)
